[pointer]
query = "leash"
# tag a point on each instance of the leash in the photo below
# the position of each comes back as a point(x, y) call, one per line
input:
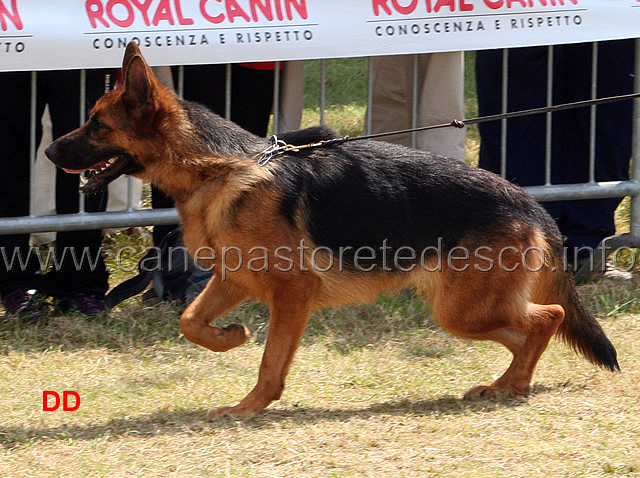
point(279, 146)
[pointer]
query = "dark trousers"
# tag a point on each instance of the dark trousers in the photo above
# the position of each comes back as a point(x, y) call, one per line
point(584, 222)
point(251, 104)
point(60, 90)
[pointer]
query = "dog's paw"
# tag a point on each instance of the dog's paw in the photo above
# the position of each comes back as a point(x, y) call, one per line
point(480, 391)
point(231, 336)
point(234, 412)
point(494, 392)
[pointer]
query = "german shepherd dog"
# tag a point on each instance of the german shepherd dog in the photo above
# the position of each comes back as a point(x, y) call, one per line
point(336, 225)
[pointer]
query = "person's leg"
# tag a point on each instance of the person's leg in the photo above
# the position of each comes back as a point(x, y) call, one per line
point(526, 135)
point(252, 98)
point(587, 223)
point(390, 108)
point(441, 100)
point(251, 93)
point(205, 84)
point(18, 264)
point(160, 200)
point(79, 253)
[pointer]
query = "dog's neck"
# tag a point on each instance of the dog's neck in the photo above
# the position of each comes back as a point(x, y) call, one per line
point(181, 178)
point(221, 153)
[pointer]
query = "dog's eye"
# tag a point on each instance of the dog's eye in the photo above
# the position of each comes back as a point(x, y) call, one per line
point(97, 125)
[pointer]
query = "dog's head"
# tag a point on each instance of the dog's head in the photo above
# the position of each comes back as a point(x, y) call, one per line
point(122, 132)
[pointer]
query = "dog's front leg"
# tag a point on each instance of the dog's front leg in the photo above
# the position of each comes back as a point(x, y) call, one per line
point(290, 310)
point(217, 298)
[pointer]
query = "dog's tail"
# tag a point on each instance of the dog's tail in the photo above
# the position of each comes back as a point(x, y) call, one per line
point(580, 329)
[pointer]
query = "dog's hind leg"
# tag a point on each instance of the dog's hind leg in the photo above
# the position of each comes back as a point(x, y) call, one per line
point(290, 309)
point(217, 298)
point(497, 309)
point(527, 342)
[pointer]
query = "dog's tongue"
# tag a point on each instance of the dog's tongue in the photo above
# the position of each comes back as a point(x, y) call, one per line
point(73, 171)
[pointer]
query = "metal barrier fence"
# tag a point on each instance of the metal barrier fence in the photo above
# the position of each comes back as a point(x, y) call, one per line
point(545, 192)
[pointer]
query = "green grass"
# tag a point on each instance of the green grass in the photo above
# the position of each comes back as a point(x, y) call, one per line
point(345, 92)
point(375, 390)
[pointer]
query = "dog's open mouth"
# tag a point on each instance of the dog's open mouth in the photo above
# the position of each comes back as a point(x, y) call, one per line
point(101, 174)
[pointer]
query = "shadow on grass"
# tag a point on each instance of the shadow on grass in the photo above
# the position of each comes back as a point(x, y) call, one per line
point(133, 326)
point(173, 422)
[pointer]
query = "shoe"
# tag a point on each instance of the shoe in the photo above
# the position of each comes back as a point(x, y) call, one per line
point(196, 283)
point(87, 304)
point(615, 273)
point(150, 298)
point(584, 272)
point(23, 304)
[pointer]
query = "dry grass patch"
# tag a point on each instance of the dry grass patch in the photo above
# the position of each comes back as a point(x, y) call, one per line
point(375, 391)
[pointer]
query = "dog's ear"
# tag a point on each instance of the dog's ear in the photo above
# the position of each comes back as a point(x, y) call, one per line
point(139, 82)
point(131, 51)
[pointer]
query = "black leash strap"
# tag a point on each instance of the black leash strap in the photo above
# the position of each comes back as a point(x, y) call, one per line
point(279, 147)
point(513, 114)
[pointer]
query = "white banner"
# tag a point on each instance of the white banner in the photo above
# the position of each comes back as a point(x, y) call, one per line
point(41, 35)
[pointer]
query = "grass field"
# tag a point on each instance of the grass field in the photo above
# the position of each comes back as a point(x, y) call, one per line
point(375, 390)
